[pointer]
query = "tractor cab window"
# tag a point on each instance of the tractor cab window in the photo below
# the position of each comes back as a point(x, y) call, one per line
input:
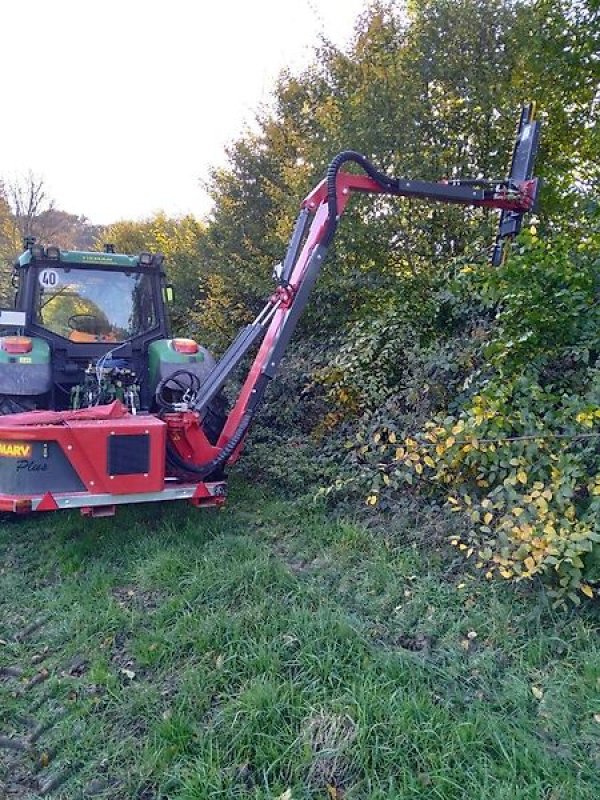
point(89, 305)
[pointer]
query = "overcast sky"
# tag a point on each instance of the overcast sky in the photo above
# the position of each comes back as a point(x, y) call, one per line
point(122, 105)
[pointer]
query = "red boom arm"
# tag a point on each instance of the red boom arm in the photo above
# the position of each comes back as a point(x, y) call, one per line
point(190, 453)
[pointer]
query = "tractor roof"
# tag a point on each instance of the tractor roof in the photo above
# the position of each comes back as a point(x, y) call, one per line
point(85, 258)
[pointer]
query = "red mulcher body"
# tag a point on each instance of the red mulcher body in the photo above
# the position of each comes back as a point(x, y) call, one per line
point(107, 454)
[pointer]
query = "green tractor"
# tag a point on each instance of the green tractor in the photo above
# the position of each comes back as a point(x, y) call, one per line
point(92, 327)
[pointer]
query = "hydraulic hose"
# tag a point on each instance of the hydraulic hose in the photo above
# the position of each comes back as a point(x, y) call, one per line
point(387, 183)
point(196, 471)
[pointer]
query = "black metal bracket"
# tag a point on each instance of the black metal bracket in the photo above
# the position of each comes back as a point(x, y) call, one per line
point(521, 169)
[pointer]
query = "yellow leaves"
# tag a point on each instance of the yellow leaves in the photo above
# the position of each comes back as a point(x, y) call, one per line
point(585, 418)
point(542, 506)
point(537, 692)
point(514, 496)
point(529, 564)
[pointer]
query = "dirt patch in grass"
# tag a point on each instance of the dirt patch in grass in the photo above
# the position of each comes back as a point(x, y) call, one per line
point(132, 597)
point(329, 737)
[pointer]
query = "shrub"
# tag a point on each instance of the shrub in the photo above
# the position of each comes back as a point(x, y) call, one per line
point(517, 451)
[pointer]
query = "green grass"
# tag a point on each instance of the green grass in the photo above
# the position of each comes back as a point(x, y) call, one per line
point(270, 647)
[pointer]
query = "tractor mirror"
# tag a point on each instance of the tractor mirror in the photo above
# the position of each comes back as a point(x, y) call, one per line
point(168, 294)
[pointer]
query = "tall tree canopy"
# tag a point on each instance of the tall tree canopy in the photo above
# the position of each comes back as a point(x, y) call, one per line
point(427, 88)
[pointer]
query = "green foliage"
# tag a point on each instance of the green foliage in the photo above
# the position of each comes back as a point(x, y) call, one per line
point(519, 453)
point(547, 300)
point(179, 241)
point(429, 91)
point(6, 248)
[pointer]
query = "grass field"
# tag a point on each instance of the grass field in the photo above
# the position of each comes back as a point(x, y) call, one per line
point(273, 651)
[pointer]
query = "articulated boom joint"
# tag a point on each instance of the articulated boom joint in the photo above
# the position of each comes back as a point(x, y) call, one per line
point(283, 296)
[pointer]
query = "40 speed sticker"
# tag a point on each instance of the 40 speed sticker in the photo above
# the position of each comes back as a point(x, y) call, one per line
point(15, 450)
point(48, 278)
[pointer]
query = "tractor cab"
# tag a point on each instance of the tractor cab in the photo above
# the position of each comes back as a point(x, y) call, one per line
point(93, 327)
point(87, 305)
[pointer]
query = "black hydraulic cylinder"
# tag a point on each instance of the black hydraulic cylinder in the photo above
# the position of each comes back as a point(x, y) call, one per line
point(291, 256)
point(300, 300)
point(227, 364)
point(439, 191)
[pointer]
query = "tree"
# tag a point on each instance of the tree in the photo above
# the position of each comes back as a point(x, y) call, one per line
point(178, 239)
